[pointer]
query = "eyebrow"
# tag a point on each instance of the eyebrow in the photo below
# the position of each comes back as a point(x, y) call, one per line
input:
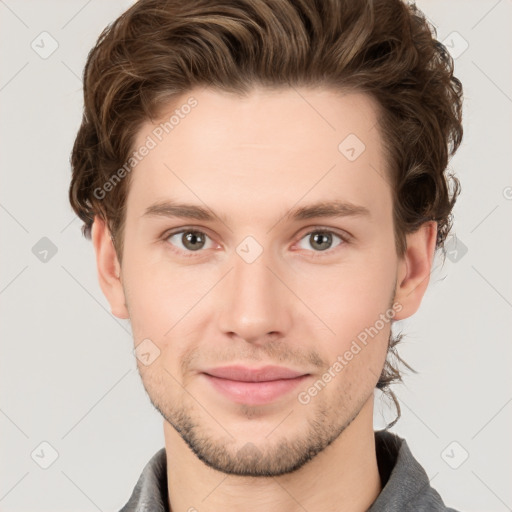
point(336, 208)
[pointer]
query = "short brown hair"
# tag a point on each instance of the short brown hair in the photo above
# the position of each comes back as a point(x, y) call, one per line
point(160, 49)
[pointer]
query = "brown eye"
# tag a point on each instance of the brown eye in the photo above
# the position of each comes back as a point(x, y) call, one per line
point(193, 240)
point(188, 240)
point(321, 240)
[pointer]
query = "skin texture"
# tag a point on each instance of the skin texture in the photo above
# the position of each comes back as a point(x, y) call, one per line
point(250, 161)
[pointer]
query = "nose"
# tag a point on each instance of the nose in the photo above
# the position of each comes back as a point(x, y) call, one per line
point(256, 304)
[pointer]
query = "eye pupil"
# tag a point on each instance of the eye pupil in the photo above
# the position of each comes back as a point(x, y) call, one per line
point(323, 239)
point(192, 237)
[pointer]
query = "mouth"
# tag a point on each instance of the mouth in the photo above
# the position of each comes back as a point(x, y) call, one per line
point(254, 386)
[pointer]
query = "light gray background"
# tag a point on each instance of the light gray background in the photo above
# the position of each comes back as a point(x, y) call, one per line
point(68, 374)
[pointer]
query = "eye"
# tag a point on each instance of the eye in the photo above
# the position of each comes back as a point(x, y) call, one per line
point(321, 240)
point(188, 240)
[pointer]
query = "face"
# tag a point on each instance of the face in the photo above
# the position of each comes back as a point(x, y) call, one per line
point(252, 296)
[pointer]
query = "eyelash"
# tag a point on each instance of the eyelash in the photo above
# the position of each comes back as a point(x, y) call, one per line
point(345, 239)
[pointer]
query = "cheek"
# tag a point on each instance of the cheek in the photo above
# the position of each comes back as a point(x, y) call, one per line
point(350, 298)
point(159, 316)
point(164, 301)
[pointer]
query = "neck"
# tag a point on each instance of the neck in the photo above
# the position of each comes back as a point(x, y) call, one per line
point(343, 477)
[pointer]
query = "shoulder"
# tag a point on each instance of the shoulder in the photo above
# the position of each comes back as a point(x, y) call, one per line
point(405, 484)
point(150, 492)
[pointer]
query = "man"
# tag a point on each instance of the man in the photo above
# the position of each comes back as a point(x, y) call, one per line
point(264, 184)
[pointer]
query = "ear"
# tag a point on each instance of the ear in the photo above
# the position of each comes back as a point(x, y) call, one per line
point(414, 269)
point(109, 269)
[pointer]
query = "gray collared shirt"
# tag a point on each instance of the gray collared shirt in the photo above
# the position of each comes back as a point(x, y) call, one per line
point(406, 486)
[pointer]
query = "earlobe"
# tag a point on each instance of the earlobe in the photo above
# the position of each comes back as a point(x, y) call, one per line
point(415, 268)
point(108, 268)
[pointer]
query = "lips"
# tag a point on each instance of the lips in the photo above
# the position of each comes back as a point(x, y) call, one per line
point(253, 386)
point(244, 374)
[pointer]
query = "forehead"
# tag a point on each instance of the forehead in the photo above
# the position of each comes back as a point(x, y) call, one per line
point(268, 117)
point(253, 151)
